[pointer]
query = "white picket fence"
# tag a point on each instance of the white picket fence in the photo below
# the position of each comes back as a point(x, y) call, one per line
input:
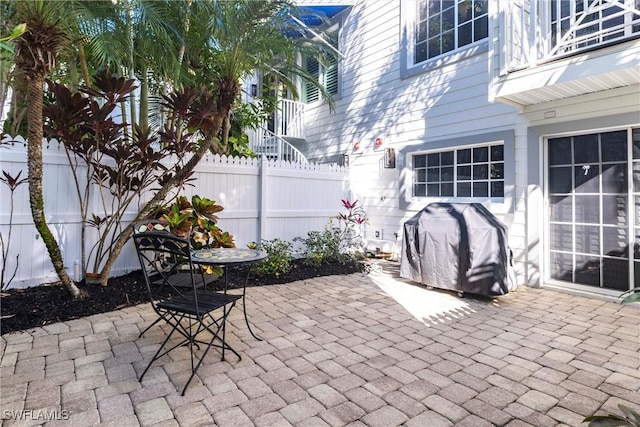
point(262, 199)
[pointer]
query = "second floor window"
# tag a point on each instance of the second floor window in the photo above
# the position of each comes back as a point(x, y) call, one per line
point(327, 75)
point(445, 25)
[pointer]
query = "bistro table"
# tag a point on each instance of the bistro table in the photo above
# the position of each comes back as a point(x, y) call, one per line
point(225, 257)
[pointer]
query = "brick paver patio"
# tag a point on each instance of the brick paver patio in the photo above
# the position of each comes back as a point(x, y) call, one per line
point(358, 350)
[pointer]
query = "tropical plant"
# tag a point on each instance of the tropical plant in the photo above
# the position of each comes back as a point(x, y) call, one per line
point(196, 220)
point(13, 182)
point(629, 418)
point(632, 295)
point(100, 150)
point(350, 224)
point(278, 261)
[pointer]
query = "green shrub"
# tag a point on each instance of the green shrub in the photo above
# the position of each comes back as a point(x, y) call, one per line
point(326, 246)
point(278, 263)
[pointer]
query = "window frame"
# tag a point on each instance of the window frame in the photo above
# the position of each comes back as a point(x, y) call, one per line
point(455, 165)
point(322, 73)
point(505, 204)
point(408, 66)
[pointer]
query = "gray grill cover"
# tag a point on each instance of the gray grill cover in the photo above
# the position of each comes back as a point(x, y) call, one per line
point(457, 246)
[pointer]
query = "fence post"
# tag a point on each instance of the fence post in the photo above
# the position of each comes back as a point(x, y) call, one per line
point(262, 203)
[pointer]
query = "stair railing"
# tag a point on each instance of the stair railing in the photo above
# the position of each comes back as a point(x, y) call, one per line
point(267, 144)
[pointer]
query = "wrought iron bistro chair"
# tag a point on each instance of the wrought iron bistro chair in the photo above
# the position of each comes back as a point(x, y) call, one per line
point(176, 277)
point(189, 311)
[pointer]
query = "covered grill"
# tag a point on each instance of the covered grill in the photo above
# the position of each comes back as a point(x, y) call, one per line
point(457, 246)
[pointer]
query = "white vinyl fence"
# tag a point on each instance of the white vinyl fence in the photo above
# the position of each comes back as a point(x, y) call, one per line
point(262, 200)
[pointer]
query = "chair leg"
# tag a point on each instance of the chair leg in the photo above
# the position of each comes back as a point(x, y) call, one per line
point(149, 327)
point(213, 337)
point(155, 356)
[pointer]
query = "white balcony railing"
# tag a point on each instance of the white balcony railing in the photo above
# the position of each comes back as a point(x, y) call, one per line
point(538, 31)
point(289, 119)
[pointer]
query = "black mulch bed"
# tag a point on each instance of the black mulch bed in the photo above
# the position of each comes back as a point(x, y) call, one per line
point(22, 309)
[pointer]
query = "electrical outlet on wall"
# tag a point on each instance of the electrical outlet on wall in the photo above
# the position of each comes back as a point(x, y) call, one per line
point(377, 234)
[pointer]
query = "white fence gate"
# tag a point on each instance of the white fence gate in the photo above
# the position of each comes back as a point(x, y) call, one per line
point(262, 200)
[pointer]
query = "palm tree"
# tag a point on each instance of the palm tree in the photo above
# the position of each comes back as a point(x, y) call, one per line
point(36, 53)
point(231, 40)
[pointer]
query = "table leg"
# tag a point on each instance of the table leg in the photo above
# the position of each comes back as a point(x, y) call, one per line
point(244, 303)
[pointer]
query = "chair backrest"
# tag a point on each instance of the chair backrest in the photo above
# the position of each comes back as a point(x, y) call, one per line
point(162, 255)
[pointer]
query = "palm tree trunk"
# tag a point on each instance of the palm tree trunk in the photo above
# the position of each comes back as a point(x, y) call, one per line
point(36, 200)
point(144, 97)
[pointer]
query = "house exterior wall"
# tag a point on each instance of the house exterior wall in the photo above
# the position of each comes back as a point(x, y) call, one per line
point(445, 103)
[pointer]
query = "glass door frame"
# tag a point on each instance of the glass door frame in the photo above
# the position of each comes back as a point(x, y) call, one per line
point(633, 222)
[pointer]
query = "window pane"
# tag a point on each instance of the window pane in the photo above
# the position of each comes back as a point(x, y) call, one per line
point(587, 239)
point(423, 11)
point(421, 34)
point(616, 273)
point(497, 153)
point(433, 159)
point(421, 53)
point(464, 189)
point(480, 28)
point(614, 178)
point(560, 151)
point(464, 11)
point(419, 190)
point(587, 179)
point(562, 266)
point(433, 175)
point(434, 47)
point(497, 188)
point(448, 42)
point(480, 172)
point(497, 171)
point(434, 26)
point(586, 149)
point(448, 19)
point(464, 35)
point(464, 156)
point(587, 269)
point(561, 208)
point(421, 175)
point(560, 180)
point(614, 242)
point(481, 154)
point(480, 189)
point(446, 189)
point(446, 158)
point(464, 173)
point(480, 7)
point(446, 174)
point(587, 209)
point(614, 210)
point(561, 237)
point(433, 190)
point(419, 161)
point(434, 7)
point(636, 143)
point(614, 146)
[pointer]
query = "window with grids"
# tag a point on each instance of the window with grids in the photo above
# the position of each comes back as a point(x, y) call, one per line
point(465, 172)
point(327, 74)
point(446, 25)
